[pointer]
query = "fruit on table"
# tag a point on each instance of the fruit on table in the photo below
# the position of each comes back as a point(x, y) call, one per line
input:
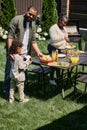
point(70, 44)
point(63, 63)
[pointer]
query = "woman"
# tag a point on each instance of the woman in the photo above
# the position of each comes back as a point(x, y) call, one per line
point(58, 39)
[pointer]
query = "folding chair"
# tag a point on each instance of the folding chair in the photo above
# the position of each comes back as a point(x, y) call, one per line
point(83, 79)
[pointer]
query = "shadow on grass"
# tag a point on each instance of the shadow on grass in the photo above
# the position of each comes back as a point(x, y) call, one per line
point(76, 120)
point(40, 90)
point(78, 96)
point(2, 94)
point(34, 89)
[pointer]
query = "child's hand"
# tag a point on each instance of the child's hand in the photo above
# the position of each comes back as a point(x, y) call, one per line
point(29, 61)
point(23, 56)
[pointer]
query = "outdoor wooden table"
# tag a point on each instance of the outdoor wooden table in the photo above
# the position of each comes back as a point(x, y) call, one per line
point(69, 68)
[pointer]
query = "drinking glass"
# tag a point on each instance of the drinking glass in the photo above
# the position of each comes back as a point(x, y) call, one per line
point(74, 59)
point(54, 55)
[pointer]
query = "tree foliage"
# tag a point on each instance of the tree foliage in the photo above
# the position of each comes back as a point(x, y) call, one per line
point(49, 14)
point(8, 11)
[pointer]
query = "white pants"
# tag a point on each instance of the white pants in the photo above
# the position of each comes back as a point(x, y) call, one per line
point(20, 86)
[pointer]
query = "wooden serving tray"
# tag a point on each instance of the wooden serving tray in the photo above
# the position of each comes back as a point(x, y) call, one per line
point(46, 61)
point(55, 64)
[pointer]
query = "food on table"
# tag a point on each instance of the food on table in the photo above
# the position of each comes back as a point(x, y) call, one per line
point(63, 63)
point(68, 51)
point(70, 47)
point(71, 33)
point(70, 44)
point(62, 48)
point(46, 58)
point(64, 51)
point(79, 52)
point(56, 55)
point(73, 52)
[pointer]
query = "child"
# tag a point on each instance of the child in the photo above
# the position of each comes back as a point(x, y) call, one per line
point(17, 73)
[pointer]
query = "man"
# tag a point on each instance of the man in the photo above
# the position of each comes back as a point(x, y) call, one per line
point(21, 27)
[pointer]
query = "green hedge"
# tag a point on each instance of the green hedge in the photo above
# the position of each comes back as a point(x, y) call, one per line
point(49, 14)
point(8, 11)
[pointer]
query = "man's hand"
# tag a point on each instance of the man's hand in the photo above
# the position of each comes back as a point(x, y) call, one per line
point(40, 54)
point(37, 50)
point(11, 56)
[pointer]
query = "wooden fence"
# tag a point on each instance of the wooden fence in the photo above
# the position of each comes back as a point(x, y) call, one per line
point(77, 8)
point(22, 5)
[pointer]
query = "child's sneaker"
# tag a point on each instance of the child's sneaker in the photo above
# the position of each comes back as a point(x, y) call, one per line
point(24, 100)
point(11, 101)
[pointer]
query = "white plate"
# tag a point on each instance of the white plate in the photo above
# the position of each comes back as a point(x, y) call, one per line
point(61, 48)
point(70, 47)
point(61, 55)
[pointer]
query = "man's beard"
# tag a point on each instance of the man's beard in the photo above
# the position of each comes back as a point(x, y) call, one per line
point(28, 19)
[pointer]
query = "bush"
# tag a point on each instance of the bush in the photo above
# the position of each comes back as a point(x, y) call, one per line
point(8, 11)
point(40, 35)
point(49, 14)
point(3, 34)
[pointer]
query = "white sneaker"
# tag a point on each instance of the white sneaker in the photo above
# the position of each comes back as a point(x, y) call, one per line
point(24, 100)
point(11, 101)
point(52, 82)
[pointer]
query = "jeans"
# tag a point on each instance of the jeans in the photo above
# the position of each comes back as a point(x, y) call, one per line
point(50, 49)
point(6, 84)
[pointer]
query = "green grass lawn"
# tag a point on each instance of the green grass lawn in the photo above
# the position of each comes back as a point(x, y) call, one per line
point(43, 112)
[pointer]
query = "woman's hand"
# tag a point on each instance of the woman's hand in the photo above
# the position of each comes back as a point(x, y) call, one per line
point(67, 39)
